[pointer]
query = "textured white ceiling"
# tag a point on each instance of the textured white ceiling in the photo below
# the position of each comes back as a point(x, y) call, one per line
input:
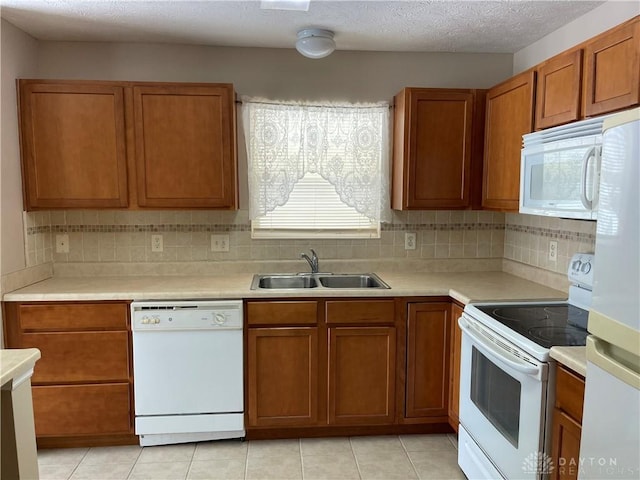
point(411, 26)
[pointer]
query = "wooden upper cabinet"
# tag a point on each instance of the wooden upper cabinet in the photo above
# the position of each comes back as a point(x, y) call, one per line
point(73, 145)
point(509, 116)
point(432, 153)
point(184, 146)
point(612, 70)
point(91, 144)
point(558, 90)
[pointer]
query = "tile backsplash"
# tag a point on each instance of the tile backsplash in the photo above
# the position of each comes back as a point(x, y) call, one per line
point(527, 240)
point(125, 236)
point(114, 236)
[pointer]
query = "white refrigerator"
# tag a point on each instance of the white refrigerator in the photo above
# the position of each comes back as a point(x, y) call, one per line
point(610, 444)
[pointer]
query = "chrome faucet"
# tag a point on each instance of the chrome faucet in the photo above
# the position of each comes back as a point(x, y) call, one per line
point(313, 260)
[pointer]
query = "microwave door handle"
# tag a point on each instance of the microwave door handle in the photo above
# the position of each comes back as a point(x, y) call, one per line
point(497, 354)
point(588, 204)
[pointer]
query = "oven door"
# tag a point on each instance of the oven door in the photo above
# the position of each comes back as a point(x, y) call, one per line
point(503, 402)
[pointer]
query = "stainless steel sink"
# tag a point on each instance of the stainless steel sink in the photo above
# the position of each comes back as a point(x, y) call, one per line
point(320, 280)
point(367, 280)
point(283, 281)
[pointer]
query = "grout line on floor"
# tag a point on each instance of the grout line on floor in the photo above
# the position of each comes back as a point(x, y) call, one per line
point(404, 447)
point(246, 459)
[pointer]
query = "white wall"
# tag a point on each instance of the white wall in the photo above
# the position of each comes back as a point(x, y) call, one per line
point(602, 18)
point(19, 59)
point(276, 73)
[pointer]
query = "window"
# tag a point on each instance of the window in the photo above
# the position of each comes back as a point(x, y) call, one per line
point(317, 171)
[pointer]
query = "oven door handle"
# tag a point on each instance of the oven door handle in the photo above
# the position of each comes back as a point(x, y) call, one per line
point(497, 354)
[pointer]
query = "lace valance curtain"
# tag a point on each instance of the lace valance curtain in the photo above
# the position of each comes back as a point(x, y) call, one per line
point(348, 145)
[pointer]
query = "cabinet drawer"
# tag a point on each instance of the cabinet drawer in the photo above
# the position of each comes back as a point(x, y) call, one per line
point(365, 311)
point(82, 409)
point(80, 356)
point(569, 393)
point(282, 313)
point(76, 316)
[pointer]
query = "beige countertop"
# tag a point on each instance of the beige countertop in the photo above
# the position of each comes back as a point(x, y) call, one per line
point(15, 363)
point(574, 358)
point(463, 287)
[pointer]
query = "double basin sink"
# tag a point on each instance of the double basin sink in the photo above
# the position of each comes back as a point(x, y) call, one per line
point(317, 280)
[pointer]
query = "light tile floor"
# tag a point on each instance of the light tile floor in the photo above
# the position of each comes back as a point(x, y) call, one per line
point(380, 457)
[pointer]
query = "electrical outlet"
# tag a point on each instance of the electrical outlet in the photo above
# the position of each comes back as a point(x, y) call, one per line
point(62, 243)
point(553, 251)
point(219, 243)
point(157, 245)
point(409, 241)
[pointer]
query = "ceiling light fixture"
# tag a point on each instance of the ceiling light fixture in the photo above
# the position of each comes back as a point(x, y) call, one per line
point(297, 5)
point(315, 43)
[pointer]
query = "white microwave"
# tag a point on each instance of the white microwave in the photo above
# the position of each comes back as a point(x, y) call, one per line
point(560, 168)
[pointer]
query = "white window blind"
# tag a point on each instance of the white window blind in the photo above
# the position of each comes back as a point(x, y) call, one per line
point(317, 171)
point(314, 210)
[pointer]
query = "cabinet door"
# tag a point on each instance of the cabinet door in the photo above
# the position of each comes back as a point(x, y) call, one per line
point(98, 409)
point(612, 70)
point(362, 362)
point(73, 145)
point(454, 363)
point(509, 116)
point(427, 359)
point(569, 393)
point(432, 148)
point(565, 448)
point(558, 90)
point(282, 383)
point(185, 146)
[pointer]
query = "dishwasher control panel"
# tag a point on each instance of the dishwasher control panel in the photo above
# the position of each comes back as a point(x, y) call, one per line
point(186, 315)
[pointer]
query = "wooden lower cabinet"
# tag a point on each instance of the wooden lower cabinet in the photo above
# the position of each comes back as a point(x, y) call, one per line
point(428, 333)
point(282, 380)
point(362, 371)
point(83, 383)
point(337, 374)
point(454, 373)
point(566, 446)
point(567, 424)
point(73, 356)
point(100, 409)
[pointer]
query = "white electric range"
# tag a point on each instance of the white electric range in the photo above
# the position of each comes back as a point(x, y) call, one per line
point(507, 378)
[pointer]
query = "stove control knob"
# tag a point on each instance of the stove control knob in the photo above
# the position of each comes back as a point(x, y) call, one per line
point(586, 267)
point(576, 265)
point(145, 320)
point(155, 320)
point(220, 318)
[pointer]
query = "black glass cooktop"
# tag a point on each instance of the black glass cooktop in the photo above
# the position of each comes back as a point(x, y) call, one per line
point(547, 325)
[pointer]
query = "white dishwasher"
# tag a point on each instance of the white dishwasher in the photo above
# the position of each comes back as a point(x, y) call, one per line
point(188, 371)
